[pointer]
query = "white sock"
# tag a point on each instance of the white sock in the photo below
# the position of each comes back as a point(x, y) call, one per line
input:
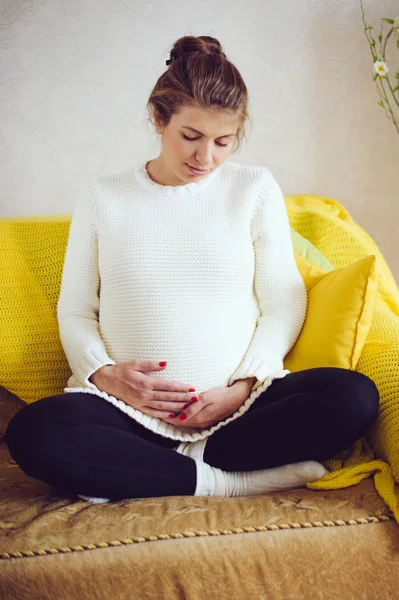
point(212, 481)
point(94, 499)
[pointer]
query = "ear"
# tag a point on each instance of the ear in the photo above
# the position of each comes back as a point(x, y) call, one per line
point(158, 127)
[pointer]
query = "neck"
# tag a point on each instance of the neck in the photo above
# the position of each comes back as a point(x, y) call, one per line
point(156, 172)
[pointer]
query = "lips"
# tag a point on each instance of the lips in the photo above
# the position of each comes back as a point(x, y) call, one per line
point(195, 168)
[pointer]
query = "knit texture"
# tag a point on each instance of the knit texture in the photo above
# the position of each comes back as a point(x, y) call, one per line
point(201, 275)
point(330, 227)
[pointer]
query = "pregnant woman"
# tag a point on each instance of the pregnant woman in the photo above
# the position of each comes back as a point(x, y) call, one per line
point(180, 298)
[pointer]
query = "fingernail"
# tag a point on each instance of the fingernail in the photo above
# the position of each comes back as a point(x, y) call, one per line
point(185, 406)
point(182, 417)
point(194, 399)
point(172, 416)
point(191, 390)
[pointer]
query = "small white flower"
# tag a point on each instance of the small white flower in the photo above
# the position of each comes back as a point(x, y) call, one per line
point(380, 68)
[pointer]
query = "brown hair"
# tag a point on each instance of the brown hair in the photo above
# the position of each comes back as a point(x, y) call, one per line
point(200, 73)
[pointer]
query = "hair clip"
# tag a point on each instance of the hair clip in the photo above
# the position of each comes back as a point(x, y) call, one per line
point(170, 60)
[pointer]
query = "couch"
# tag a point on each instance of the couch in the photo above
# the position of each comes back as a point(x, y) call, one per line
point(335, 538)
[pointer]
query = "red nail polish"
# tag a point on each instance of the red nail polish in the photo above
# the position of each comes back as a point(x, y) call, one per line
point(172, 416)
point(185, 406)
point(162, 364)
point(194, 399)
point(182, 417)
point(191, 390)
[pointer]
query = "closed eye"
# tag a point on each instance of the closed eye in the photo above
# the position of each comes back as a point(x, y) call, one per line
point(192, 139)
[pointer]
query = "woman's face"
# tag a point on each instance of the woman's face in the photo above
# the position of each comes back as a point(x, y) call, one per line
point(209, 146)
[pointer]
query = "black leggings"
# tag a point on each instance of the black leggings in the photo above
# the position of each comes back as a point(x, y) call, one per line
point(82, 444)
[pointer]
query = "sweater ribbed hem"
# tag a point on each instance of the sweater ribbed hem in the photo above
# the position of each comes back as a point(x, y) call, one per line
point(170, 431)
point(253, 366)
point(92, 360)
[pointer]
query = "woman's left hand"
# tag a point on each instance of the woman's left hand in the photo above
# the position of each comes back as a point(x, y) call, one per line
point(213, 406)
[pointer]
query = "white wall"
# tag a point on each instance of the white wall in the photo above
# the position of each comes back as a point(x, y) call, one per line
point(75, 76)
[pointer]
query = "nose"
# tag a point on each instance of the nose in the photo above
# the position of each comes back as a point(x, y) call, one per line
point(203, 157)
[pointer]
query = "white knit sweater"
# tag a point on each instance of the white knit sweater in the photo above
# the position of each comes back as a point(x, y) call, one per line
point(201, 275)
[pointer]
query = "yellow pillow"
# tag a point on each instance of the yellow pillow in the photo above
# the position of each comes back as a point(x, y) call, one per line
point(340, 311)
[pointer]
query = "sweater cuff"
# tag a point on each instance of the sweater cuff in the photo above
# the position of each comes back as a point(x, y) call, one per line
point(252, 366)
point(91, 361)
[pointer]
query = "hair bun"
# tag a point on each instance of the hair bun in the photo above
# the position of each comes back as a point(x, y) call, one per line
point(189, 43)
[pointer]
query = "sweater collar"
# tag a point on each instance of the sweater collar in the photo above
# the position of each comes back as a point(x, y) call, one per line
point(174, 192)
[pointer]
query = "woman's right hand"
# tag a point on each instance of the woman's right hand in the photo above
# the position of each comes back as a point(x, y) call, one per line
point(129, 381)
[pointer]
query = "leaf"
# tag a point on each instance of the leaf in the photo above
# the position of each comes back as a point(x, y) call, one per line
point(306, 506)
point(129, 516)
point(380, 103)
point(273, 520)
point(286, 503)
point(380, 37)
point(395, 89)
point(390, 21)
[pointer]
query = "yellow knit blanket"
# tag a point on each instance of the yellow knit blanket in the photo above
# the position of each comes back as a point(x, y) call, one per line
point(327, 225)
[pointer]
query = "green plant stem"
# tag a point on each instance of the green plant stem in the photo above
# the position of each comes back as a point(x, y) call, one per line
point(384, 96)
point(367, 35)
point(386, 76)
point(385, 43)
point(389, 107)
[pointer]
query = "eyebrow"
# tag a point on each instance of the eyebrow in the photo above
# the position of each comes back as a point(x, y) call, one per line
point(196, 131)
